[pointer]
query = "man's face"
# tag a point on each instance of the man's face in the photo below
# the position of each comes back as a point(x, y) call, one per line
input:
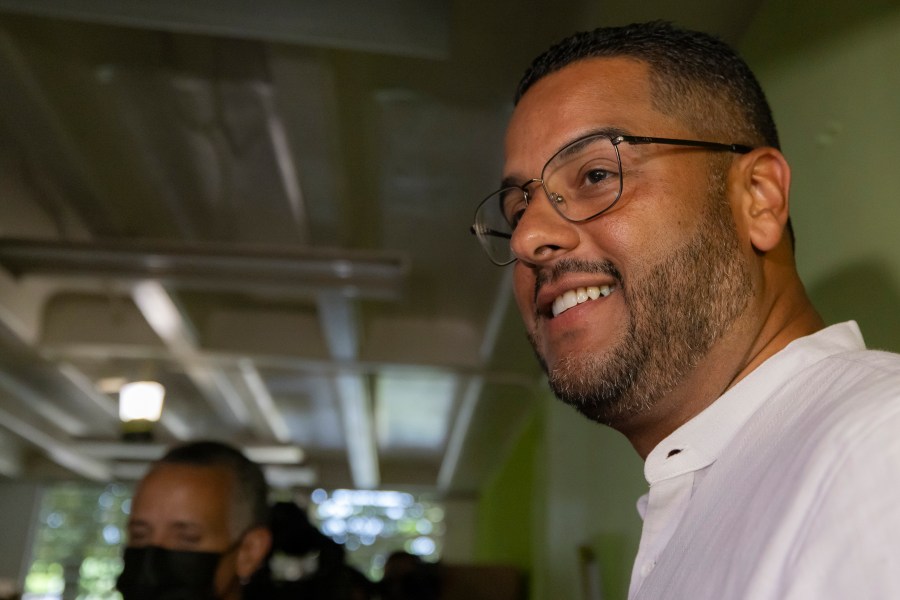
point(668, 250)
point(188, 508)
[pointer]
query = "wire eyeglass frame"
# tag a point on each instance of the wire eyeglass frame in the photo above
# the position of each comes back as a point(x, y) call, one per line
point(487, 236)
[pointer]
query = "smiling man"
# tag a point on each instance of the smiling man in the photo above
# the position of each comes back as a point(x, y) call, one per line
point(198, 527)
point(645, 208)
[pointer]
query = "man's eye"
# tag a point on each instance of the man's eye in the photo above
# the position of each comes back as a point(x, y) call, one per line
point(516, 217)
point(513, 209)
point(595, 176)
point(137, 538)
point(189, 539)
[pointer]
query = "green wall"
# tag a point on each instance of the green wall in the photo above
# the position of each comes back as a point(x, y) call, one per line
point(833, 80)
point(592, 478)
point(505, 508)
point(568, 485)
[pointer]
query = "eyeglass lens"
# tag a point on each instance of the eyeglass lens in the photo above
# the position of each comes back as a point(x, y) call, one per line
point(580, 181)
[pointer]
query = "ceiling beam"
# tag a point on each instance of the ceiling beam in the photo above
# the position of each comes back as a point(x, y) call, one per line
point(459, 433)
point(286, 454)
point(43, 406)
point(284, 160)
point(265, 404)
point(12, 464)
point(397, 27)
point(49, 443)
point(278, 476)
point(359, 433)
point(471, 391)
point(174, 328)
point(39, 129)
point(37, 385)
point(356, 274)
point(340, 324)
point(301, 364)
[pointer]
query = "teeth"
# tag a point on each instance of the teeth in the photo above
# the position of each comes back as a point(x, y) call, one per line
point(577, 296)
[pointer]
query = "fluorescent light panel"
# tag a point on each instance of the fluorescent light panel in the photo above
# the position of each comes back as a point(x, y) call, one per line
point(413, 408)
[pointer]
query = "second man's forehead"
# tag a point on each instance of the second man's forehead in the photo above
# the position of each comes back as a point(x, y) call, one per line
point(181, 487)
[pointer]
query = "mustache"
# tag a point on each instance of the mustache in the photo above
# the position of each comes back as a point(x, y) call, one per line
point(575, 265)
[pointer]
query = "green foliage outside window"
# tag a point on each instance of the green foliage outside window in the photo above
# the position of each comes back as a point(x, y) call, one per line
point(78, 542)
point(372, 524)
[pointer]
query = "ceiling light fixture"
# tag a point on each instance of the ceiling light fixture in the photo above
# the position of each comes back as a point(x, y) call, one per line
point(140, 407)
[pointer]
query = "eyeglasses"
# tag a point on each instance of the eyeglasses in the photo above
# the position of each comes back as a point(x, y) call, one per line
point(582, 181)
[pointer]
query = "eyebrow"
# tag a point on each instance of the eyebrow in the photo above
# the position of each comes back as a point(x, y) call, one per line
point(179, 526)
point(186, 527)
point(606, 131)
point(510, 182)
point(137, 525)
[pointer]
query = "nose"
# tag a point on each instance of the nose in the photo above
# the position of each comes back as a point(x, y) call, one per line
point(542, 234)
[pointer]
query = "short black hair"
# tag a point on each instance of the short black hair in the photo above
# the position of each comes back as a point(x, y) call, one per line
point(694, 75)
point(250, 504)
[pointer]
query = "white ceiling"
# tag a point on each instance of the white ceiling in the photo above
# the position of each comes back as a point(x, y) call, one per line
point(267, 210)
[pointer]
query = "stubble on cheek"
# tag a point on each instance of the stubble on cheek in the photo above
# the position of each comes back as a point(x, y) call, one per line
point(596, 382)
point(590, 375)
point(534, 319)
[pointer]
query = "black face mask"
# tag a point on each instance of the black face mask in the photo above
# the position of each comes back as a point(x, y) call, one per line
point(154, 573)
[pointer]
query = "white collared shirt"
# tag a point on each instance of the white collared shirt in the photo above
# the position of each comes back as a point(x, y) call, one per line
point(779, 489)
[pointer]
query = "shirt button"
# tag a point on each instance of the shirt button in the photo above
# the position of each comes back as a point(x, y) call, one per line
point(647, 568)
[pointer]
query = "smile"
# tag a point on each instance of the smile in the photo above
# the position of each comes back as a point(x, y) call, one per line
point(578, 296)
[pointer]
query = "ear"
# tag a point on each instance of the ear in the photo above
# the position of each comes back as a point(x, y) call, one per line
point(252, 552)
point(764, 181)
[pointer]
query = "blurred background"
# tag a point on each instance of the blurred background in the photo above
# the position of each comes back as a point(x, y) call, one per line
point(264, 208)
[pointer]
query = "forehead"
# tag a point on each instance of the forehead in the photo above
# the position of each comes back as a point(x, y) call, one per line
point(172, 493)
point(581, 97)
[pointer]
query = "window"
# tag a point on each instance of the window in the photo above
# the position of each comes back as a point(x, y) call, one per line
point(371, 524)
point(78, 542)
point(82, 528)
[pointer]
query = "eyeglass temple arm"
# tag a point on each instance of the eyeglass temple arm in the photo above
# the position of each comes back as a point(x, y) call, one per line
point(637, 139)
point(493, 232)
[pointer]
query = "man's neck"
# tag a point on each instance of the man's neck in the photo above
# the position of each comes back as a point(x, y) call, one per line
point(730, 360)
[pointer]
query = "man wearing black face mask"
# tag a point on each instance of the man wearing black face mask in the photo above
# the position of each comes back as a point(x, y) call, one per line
point(198, 526)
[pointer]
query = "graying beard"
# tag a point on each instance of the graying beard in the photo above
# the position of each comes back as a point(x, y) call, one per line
point(610, 389)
